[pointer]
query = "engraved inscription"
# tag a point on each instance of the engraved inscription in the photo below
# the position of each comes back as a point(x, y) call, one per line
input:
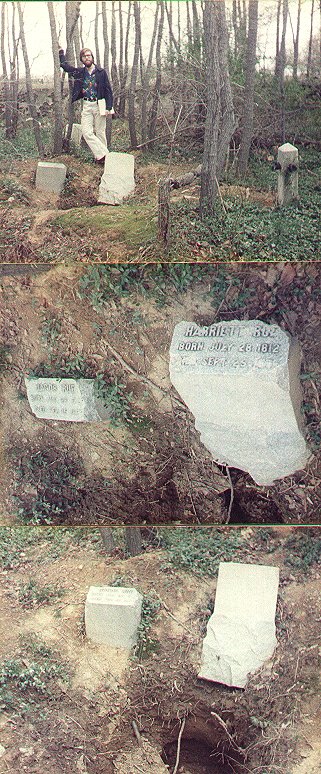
point(235, 346)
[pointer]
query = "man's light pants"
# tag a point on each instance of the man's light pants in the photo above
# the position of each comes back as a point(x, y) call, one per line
point(93, 127)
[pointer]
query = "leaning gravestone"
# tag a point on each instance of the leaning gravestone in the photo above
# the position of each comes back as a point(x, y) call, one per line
point(112, 615)
point(118, 179)
point(288, 176)
point(50, 176)
point(241, 632)
point(71, 400)
point(241, 381)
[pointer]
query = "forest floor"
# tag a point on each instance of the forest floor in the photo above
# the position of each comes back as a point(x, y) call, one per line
point(147, 465)
point(67, 705)
point(38, 227)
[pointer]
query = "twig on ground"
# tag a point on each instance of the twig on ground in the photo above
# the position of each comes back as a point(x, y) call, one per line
point(136, 732)
point(221, 197)
point(140, 376)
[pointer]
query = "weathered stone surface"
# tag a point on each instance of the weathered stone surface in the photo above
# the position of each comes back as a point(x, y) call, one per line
point(118, 180)
point(71, 400)
point(112, 615)
point(288, 176)
point(241, 632)
point(76, 134)
point(241, 381)
point(50, 176)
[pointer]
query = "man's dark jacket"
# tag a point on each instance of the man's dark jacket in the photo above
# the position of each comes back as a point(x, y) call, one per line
point(104, 90)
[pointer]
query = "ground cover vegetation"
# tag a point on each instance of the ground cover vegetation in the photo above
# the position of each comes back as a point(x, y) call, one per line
point(146, 464)
point(68, 705)
point(166, 116)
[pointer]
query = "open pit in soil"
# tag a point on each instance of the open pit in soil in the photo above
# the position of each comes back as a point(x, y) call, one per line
point(201, 752)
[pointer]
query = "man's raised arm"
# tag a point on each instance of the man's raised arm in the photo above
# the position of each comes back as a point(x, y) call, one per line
point(68, 68)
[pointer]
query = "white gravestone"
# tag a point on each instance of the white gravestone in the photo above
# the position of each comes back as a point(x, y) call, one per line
point(112, 615)
point(50, 176)
point(76, 134)
point(71, 400)
point(241, 632)
point(288, 176)
point(241, 381)
point(118, 179)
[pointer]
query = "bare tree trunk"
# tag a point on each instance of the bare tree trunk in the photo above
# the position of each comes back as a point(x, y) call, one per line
point(133, 80)
point(188, 25)
point(310, 42)
point(296, 42)
point(105, 37)
point(219, 119)
point(281, 67)
point(113, 51)
point(209, 183)
point(179, 35)
point(146, 79)
point(5, 79)
point(277, 42)
point(72, 16)
point(108, 539)
point(97, 52)
point(30, 93)
point(158, 81)
point(227, 123)
point(133, 541)
point(58, 106)
point(196, 25)
point(248, 102)
point(14, 75)
point(123, 83)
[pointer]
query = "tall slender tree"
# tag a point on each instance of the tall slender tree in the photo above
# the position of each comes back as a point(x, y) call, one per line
point(30, 92)
point(58, 104)
point(248, 99)
point(134, 75)
point(219, 124)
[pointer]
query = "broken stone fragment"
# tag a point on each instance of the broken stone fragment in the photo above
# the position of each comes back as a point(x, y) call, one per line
point(241, 381)
point(241, 632)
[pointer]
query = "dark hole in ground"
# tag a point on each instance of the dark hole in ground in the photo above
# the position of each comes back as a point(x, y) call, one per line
point(250, 506)
point(198, 757)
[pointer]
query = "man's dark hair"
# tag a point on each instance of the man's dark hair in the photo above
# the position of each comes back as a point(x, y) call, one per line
point(83, 51)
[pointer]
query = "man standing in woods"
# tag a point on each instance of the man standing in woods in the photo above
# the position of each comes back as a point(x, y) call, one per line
point(91, 84)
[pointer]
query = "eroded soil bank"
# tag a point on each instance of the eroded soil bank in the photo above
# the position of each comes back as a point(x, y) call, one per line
point(147, 465)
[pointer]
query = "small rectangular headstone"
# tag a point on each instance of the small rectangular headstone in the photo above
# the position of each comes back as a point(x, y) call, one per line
point(118, 179)
point(50, 176)
point(112, 615)
point(76, 134)
point(241, 632)
point(288, 176)
point(241, 381)
point(71, 400)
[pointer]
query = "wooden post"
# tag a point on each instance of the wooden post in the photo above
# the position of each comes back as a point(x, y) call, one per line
point(164, 189)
